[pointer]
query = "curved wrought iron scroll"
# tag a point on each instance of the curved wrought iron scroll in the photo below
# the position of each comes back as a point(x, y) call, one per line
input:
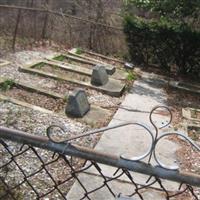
point(155, 135)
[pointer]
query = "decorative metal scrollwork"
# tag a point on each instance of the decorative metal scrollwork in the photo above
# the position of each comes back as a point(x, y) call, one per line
point(155, 137)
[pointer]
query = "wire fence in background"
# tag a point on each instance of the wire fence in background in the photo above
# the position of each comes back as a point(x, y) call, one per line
point(22, 25)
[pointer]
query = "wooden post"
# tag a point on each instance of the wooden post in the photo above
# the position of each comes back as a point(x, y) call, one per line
point(44, 30)
point(16, 29)
point(45, 21)
point(69, 28)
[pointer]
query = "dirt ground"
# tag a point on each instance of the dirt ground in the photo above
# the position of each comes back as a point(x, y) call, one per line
point(65, 73)
point(34, 122)
point(56, 105)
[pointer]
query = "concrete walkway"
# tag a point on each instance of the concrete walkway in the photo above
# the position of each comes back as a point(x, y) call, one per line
point(146, 93)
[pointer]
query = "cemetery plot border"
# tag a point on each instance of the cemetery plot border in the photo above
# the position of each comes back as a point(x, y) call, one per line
point(4, 62)
point(185, 86)
point(73, 59)
point(8, 86)
point(112, 88)
point(54, 68)
point(96, 116)
point(95, 57)
point(191, 114)
point(85, 67)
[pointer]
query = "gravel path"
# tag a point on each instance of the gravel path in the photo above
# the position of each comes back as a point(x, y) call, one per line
point(35, 122)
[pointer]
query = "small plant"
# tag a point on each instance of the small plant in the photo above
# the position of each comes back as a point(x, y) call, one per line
point(39, 65)
point(65, 98)
point(129, 80)
point(79, 51)
point(7, 84)
point(60, 58)
point(131, 76)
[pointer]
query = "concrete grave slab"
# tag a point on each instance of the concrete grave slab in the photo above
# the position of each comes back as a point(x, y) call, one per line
point(97, 116)
point(24, 104)
point(191, 114)
point(193, 88)
point(91, 118)
point(4, 63)
point(132, 141)
point(68, 58)
point(71, 67)
point(95, 57)
point(31, 88)
point(103, 57)
point(86, 66)
point(8, 86)
point(112, 88)
point(76, 63)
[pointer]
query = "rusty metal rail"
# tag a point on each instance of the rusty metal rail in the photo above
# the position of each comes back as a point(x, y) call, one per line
point(99, 157)
point(66, 152)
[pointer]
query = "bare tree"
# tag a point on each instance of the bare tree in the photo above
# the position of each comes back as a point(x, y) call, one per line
point(67, 30)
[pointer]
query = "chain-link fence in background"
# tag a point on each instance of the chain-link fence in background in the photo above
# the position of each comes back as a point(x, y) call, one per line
point(34, 167)
point(24, 26)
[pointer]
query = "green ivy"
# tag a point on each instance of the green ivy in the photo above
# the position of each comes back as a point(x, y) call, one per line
point(175, 9)
point(163, 42)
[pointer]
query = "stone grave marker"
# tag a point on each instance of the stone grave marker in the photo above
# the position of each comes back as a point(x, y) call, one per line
point(99, 76)
point(77, 104)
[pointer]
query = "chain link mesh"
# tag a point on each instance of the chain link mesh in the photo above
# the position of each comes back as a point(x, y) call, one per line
point(27, 172)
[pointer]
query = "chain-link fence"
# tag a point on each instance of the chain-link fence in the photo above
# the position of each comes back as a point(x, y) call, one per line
point(34, 167)
point(25, 26)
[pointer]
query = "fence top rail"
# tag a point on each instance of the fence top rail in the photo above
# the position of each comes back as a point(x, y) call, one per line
point(99, 157)
point(62, 15)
